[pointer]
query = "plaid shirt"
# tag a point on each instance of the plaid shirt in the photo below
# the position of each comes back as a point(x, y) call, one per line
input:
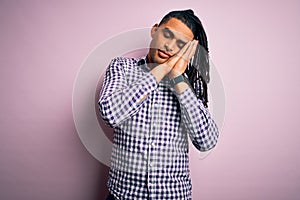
point(150, 146)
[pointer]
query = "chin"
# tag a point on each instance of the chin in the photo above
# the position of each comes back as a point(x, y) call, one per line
point(157, 59)
point(153, 57)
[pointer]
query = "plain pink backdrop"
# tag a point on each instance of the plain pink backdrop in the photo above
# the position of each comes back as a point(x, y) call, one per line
point(254, 45)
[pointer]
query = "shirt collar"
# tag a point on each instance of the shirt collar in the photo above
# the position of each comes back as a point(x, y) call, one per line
point(143, 63)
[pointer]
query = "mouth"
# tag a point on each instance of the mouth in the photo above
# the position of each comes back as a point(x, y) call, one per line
point(163, 54)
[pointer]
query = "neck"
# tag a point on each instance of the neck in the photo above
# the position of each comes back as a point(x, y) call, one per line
point(150, 62)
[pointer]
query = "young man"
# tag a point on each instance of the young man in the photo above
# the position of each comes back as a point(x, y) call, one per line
point(154, 104)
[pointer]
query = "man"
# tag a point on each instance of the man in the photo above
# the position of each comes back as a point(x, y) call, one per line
point(154, 105)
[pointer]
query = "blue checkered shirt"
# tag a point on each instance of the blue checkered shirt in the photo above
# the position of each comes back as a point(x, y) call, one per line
point(150, 144)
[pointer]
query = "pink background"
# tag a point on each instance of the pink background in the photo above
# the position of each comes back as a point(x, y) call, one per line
point(254, 45)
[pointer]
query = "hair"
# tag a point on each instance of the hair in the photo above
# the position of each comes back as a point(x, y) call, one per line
point(198, 68)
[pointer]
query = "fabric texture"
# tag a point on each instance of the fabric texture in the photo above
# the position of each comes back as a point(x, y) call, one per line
point(150, 144)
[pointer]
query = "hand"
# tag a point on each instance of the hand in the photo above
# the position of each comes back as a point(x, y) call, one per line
point(179, 61)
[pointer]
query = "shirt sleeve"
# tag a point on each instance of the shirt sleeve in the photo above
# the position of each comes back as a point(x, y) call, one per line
point(200, 126)
point(118, 100)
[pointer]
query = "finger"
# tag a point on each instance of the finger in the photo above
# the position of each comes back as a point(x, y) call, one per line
point(182, 62)
point(192, 49)
point(189, 52)
point(184, 49)
point(175, 58)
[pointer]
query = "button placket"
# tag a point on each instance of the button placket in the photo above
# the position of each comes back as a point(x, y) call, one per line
point(154, 127)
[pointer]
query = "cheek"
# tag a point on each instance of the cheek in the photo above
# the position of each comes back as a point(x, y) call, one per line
point(159, 41)
point(155, 44)
point(153, 48)
point(176, 50)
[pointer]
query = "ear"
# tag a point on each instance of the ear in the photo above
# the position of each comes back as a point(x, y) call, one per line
point(153, 30)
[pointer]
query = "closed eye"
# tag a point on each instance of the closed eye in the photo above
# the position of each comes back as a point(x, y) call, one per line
point(180, 44)
point(167, 33)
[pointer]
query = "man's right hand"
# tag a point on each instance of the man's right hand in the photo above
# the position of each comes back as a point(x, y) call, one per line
point(177, 63)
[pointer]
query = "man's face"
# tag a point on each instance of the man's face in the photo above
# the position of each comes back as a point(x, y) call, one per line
point(168, 39)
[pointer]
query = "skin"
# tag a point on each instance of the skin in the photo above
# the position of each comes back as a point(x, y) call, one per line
point(171, 48)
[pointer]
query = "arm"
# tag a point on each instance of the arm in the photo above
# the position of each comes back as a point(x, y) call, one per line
point(197, 120)
point(119, 101)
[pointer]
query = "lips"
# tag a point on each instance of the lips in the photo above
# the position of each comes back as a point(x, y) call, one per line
point(163, 54)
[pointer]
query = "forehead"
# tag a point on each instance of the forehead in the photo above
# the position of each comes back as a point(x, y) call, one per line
point(178, 28)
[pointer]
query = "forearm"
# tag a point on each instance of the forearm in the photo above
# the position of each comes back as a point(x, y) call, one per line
point(159, 72)
point(200, 126)
point(120, 99)
point(117, 105)
point(181, 87)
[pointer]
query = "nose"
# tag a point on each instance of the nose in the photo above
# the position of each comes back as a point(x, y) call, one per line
point(169, 46)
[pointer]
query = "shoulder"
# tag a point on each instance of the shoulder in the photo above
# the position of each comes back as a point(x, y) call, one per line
point(124, 62)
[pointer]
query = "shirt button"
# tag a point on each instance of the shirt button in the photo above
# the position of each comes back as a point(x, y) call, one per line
point(145, 156)
point(151, 164)
point(152, 144)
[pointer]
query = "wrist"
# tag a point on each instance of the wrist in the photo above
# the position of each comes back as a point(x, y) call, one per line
point(160, 71)
point(173, 74)
point(177, 79)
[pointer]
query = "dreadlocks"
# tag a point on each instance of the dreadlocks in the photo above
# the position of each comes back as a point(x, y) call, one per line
point(198, 69)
